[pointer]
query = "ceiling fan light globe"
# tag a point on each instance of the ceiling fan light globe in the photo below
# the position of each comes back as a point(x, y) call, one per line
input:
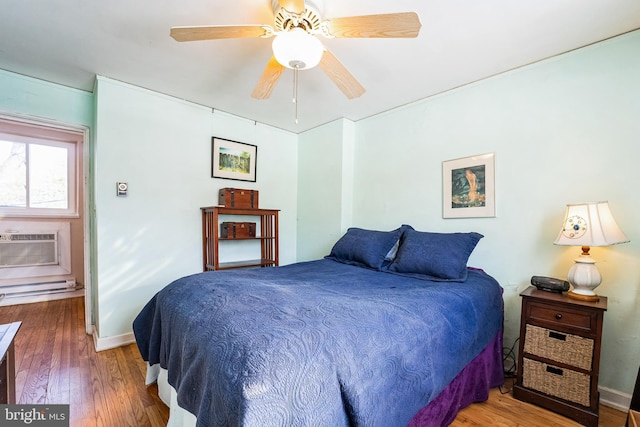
point(297, 49)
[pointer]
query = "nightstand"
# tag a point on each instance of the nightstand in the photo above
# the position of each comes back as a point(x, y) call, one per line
point(559, 354)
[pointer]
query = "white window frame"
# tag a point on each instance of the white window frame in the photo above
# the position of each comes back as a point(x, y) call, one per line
point(31, 133)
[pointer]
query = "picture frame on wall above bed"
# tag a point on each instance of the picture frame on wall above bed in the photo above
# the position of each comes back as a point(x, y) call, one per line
point(469, 187)
point(233, 160)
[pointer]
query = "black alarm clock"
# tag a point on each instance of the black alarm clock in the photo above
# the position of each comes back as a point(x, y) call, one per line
point(550, 284)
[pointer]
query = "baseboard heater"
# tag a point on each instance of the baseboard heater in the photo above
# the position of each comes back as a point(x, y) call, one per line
point(67, 285)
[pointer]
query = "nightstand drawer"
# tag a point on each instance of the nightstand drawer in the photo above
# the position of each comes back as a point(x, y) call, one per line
point(562, 347)
point(561, 316)
point(563, 383)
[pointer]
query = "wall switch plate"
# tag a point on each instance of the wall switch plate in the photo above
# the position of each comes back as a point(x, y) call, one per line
point(121, 189)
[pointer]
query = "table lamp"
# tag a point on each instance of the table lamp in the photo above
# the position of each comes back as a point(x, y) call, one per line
point(588, 224)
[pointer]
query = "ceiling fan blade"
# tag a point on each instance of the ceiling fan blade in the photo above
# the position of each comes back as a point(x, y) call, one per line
point(212, 32)
point(403, 24)
point(268, 80)
point(294, 6)
point(339, 74)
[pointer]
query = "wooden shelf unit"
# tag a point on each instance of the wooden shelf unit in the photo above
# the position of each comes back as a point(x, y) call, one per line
point(267, 237)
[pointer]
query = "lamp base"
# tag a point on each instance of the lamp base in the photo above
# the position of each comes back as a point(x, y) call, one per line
point(585, 277)
point(592, 298)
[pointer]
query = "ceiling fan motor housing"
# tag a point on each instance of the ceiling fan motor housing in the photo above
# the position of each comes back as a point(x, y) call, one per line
point(309, 20)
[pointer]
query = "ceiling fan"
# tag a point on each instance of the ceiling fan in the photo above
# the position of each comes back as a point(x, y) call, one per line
point(296, 23)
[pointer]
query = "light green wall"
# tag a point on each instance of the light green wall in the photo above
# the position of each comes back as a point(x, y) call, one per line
point(563, 130)
point(325, 180)
point(158, 146)
point(161, 146)
point(29, 97)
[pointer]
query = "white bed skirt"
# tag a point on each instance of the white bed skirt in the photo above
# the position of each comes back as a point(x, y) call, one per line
point(178, 417)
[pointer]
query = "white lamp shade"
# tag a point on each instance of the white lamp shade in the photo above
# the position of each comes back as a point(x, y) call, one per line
point(590, 224)
point(297, 49)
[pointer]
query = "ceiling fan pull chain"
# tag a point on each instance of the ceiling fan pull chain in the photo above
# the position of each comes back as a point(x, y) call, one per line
point(295, 84)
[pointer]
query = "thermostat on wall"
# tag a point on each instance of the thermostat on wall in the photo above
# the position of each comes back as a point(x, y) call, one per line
point(121, 188)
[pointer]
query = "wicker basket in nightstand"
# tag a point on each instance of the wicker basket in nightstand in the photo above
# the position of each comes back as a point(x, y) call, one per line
point(559, 354)
point(571, 349)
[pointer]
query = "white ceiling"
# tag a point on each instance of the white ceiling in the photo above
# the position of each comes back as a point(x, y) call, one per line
point(461, 41)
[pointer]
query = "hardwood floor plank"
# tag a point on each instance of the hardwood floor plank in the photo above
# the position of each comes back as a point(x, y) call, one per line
point(23, 364)
point(76, 365)
point(130, 387)
point(501, 409)
point(46, 353)
point(85, 402)
point(56, 363)
point(156, 418)
point(101, 390)
point(58, 385)
point(135, 371)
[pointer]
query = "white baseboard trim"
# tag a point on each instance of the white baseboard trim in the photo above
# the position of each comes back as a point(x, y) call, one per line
point(112, 342)
point(614, 399)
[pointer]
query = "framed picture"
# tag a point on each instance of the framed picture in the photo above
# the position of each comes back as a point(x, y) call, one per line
point(469, 187)
point(233, 160)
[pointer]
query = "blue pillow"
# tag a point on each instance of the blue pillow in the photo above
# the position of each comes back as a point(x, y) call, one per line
point(435, 256)
point(391, 255)
point(366, 248)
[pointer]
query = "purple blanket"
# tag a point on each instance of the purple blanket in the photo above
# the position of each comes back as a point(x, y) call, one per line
point(471, 385)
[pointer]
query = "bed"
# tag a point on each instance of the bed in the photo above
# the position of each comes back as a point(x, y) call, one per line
point(391, 329)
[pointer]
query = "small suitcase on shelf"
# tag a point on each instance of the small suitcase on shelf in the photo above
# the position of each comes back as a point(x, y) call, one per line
point(238, 198)
point(237, 230)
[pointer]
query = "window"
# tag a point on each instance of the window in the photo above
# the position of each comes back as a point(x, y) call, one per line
point(37, 171)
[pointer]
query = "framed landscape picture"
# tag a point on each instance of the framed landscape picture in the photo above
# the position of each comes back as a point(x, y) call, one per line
point(469, 187)
point(233, 160)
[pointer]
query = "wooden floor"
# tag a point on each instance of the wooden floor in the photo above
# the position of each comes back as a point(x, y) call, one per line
point(502, 410)
point(57, 364)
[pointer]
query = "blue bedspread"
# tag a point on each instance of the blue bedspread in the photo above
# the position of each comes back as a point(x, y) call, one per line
point(315, 344)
